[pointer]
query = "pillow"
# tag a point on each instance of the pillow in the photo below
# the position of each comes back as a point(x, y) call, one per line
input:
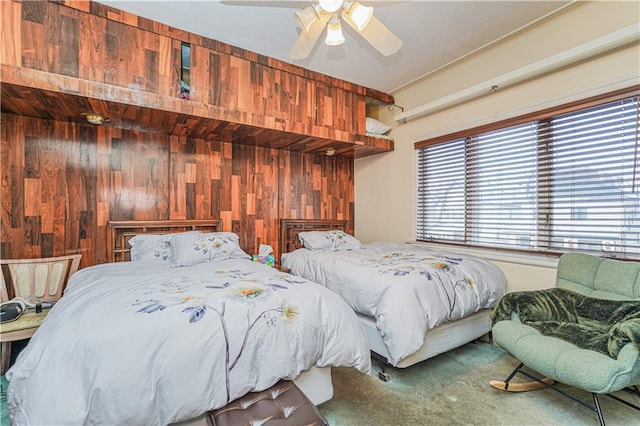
point(374, 126)
point(329, 240)
point(204, 247)
point(153, 246)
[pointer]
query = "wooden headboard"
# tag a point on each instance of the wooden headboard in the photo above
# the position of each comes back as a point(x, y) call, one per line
point(290, 228)
point(120, 232)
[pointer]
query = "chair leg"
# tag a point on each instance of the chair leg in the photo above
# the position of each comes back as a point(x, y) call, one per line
point(512, 375)
point(632, 390)
point(6, 357)
point(596, 405)
point(520, 387)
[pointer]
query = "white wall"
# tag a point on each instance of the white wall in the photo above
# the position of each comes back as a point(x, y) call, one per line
point(385, 184)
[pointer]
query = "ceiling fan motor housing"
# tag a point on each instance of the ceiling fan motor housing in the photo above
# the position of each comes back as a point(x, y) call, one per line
point(326, 13)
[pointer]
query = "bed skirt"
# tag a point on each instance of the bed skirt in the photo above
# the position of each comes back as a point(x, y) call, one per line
point(441, 339)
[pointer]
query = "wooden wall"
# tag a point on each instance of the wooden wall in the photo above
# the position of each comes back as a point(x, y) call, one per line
point(92, 42)
point(62, 181)
point(246, 148)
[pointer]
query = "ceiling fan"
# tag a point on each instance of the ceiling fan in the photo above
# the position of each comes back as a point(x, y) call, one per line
point(328, 13)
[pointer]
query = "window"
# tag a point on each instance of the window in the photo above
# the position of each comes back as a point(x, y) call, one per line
point(566, 179)
point(185, 71)
point(578, 213)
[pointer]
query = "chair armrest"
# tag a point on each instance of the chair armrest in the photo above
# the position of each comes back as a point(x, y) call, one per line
point(623, 333)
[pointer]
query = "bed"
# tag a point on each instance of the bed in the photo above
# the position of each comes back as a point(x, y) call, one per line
point(187, 326)
point(414, 302)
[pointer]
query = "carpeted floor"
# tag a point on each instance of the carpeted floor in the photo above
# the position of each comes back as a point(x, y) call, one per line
point(453, 389)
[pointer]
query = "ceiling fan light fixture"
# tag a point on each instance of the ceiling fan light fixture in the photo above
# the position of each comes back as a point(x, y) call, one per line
point(360, 15)
point(306, 17)
point(329, 14)
point(330, 6)
point(334, 33)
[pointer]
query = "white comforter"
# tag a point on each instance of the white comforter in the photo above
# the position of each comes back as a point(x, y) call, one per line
point(408, 289)
point(137, 343)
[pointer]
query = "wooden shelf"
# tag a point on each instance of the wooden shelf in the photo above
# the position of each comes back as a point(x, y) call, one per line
point(237, 96)
point(45, 95)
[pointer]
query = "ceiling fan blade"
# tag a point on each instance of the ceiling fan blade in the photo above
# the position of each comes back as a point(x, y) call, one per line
point(305, 43)
point(379, 36)
point(292, 4)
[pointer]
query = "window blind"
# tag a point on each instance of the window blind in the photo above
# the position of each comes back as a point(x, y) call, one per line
point(568, 182)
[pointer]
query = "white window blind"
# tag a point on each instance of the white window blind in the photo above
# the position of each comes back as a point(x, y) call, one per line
point(569, 182)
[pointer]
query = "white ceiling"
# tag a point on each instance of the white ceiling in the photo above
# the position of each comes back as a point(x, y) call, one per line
point(434, 33)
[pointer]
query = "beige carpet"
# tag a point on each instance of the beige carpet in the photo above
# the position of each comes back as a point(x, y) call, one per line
point(453, 389)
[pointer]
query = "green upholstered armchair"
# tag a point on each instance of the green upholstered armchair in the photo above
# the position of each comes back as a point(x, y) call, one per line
point(584, 332)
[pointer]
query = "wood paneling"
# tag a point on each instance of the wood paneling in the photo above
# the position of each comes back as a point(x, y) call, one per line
point(316, 187)
point(62, 181)
point(218, 46)
point(20, 98)
point(70, 42)
point(60, 59)
point(248, 147)
point(10, 39)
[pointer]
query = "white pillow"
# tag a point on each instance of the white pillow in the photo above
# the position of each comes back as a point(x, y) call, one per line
point(329, 240)
point(204, 247)
point(376, 127)
point(153, 246)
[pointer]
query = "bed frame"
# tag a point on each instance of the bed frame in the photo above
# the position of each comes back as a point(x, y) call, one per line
point(438, 340)
point(120, 232)
point(290, 228)
point(315, 383)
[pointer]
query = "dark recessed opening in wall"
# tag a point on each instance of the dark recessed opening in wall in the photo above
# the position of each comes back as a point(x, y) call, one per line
point(185, 71)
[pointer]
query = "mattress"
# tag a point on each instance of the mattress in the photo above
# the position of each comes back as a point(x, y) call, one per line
point(145, 343)
point(407, 290)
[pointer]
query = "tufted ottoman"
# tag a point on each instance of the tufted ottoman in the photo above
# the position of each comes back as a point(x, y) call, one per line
point(281, 404)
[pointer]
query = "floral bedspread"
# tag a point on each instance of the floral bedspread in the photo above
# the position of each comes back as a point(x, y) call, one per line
point(143, 343)
point(408, 289)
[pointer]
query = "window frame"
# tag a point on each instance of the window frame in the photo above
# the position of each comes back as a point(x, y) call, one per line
point(543, 116)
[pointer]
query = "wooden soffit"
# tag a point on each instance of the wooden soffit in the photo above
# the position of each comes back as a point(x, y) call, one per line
point(45, 95)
